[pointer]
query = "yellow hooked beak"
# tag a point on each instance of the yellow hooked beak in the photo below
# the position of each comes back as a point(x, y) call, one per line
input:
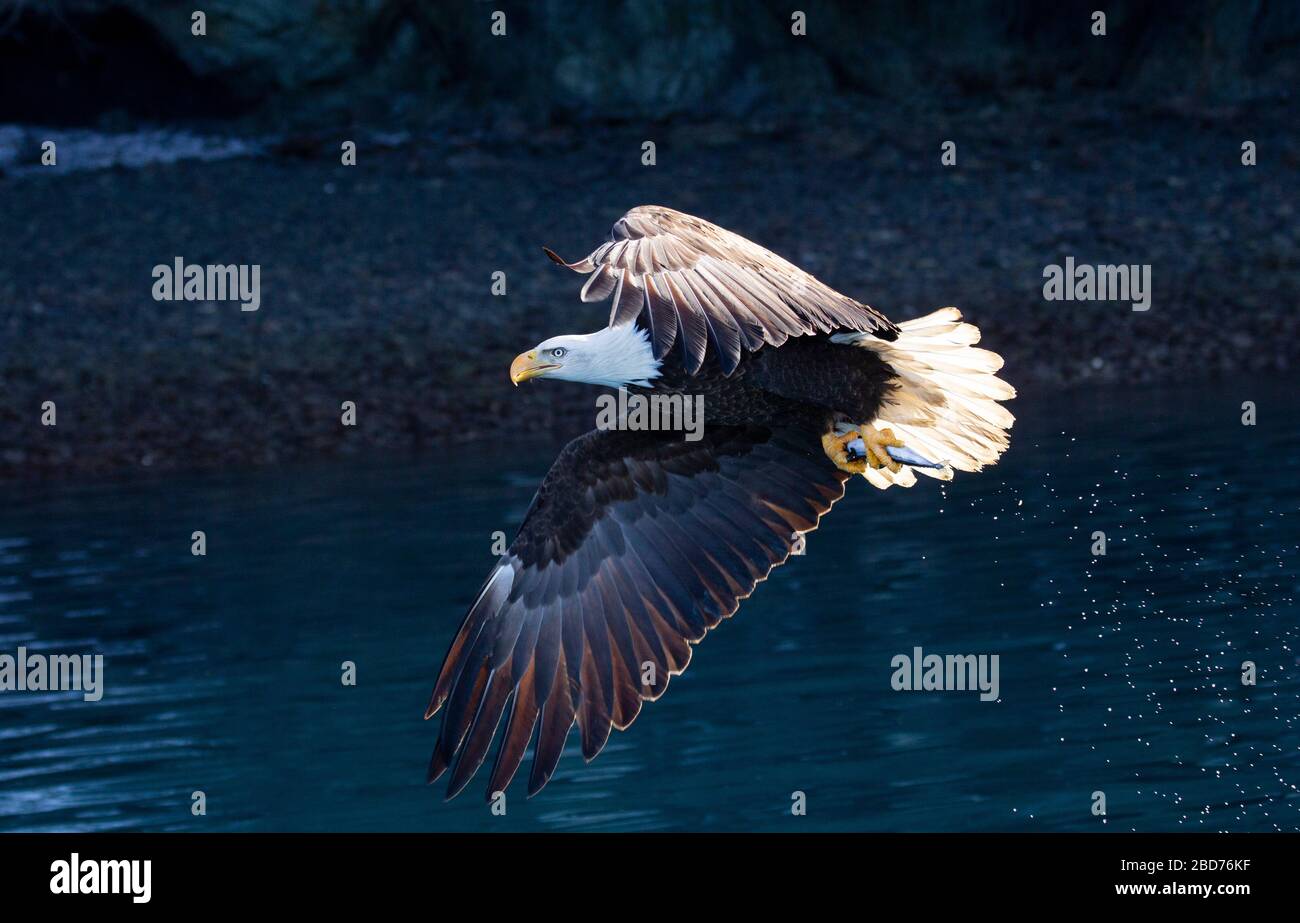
point(526, 366)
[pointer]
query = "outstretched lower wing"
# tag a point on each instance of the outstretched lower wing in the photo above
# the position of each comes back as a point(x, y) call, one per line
point(698, 282)
point(635, 546)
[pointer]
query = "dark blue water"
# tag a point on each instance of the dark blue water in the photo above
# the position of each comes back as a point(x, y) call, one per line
point(1118, 674)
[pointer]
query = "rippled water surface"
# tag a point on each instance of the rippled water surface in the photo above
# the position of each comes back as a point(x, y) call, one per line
point(1119, 674)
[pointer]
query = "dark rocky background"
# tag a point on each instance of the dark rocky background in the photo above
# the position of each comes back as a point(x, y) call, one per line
point(475, 150)
point(309, 63)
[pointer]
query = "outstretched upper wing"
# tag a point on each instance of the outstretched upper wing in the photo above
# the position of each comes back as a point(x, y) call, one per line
point(699, 282)
point(636, 544)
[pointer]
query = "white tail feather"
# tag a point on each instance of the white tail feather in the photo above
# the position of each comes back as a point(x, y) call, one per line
point(945, 406)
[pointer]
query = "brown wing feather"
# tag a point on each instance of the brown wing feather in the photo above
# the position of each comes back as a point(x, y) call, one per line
point(699, 283)
point(636, 544)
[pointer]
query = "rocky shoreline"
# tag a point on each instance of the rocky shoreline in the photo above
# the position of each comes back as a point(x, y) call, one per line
point(376, 279)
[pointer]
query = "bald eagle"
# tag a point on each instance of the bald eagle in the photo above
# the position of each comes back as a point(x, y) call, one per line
point(637, 543)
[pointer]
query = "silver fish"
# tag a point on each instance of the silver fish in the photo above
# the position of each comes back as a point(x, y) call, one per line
point(900, 454)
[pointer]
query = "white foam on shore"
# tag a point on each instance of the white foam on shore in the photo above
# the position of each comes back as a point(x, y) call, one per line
point(83, 149)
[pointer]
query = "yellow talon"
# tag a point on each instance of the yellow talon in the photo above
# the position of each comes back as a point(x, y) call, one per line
point(836, 449)
point(876, 441)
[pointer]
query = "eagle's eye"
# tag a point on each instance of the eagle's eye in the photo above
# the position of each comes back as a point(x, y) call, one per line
point(558, 352)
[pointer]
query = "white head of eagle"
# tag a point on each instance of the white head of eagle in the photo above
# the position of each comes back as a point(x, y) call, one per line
point(614, 357)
